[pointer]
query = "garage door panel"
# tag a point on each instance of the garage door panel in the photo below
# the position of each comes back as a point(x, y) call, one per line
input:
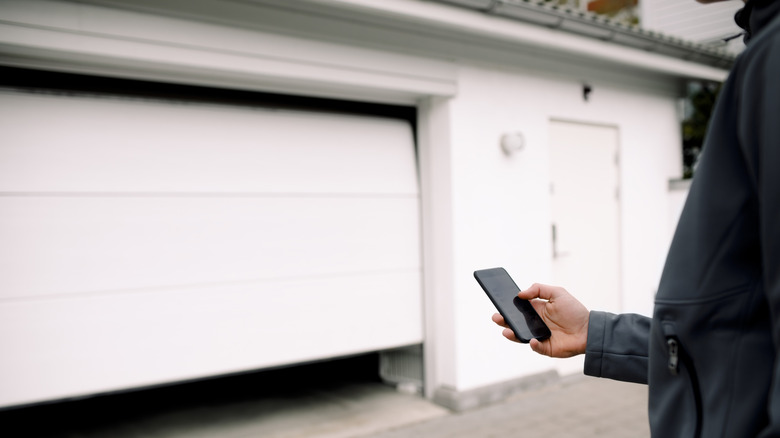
point(91, 144)
point(152, 337)
point(148, 241)
point(93, 244)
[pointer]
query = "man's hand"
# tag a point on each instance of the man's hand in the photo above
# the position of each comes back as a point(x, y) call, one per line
point(566, 318)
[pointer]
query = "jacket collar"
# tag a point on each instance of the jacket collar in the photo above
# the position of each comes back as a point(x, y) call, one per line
point(756, 15)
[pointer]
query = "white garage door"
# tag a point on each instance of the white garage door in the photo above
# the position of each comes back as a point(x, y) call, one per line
point(146, 241)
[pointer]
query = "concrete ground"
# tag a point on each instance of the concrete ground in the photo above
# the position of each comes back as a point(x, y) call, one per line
point(321, 406)
point(580, 407)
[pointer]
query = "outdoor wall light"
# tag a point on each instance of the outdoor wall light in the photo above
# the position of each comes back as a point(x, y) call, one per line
point(512, 142)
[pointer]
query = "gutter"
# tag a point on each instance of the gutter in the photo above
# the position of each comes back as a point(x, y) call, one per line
point(594, 26)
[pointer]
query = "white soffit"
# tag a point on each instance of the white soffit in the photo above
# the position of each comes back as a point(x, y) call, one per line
point(618, 49)
point(229, 43)
point(116, 42)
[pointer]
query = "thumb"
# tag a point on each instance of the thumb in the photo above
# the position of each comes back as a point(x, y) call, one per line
point(543, 291)
point(531, 293)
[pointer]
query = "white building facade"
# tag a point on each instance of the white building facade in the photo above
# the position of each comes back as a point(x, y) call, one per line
point(158, 239)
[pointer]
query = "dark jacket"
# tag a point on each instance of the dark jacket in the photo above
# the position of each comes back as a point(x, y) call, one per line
point(709, 353)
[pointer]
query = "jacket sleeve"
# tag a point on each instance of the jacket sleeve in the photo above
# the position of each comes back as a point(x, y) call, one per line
point(617, 346)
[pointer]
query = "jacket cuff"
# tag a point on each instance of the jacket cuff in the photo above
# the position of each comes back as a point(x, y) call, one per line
point(594, 350)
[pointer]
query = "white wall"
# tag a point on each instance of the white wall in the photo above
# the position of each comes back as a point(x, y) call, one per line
point(501, 205)
point(678, 194)
point(479, 207)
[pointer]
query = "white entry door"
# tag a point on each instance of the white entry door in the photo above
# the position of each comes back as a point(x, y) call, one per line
point(585, 226)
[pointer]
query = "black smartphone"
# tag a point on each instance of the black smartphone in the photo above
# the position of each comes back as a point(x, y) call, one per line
point(519, 314)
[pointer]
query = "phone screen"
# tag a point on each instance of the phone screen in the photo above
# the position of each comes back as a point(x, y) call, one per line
point(519, 314)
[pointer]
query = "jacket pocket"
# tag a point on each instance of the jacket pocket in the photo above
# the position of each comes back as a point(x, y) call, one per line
point(677, 359)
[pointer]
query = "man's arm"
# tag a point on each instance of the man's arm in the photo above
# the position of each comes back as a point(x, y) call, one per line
point(615, 346)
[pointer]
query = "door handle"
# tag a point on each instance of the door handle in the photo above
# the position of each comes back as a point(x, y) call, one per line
point(556, 253)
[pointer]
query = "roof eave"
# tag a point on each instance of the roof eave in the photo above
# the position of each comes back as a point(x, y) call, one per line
point(594, 26)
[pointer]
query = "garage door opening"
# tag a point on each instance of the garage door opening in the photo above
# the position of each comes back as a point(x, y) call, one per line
point(155, 233)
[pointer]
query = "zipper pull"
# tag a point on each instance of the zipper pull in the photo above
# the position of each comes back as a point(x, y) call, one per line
point(674, 355)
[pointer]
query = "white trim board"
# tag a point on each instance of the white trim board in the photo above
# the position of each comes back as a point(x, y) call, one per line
point(98, 40)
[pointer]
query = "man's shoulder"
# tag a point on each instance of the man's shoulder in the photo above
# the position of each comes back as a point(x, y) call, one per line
point(765, 43)
point(763, 54)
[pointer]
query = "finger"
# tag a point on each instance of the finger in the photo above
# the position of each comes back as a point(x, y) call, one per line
point(498, 319)
point(540, 347)
point(509, 334)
